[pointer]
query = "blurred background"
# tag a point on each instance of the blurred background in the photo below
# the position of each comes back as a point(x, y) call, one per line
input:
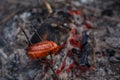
point(14, 63)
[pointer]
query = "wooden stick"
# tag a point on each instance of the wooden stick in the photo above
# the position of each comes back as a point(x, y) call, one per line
point(48, 7)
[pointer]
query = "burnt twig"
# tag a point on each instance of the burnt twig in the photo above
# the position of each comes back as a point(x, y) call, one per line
point(25, 35)
point(37, 34)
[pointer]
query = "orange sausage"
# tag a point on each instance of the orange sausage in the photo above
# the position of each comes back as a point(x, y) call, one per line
point(42, 49)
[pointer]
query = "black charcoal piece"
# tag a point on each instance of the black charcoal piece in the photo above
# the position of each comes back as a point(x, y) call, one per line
point(110, 52)
point(107, 12)
point(75, 51)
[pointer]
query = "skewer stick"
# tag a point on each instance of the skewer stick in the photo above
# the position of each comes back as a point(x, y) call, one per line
point(40, 39)
point(50, 55)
